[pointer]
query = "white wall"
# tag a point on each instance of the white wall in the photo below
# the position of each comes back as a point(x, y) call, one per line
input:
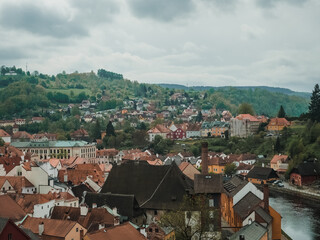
point(251, 216)
point(43, 210)
point(246, 189)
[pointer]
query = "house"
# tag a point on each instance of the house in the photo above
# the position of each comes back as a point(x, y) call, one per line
point(10, 209)
point(41, 205)
point(123, 231)
point(9, 230)
point(216, 129)
point(43, 137)
point(277, 124)
point(8, 163)
point(51, 166)
point(193, 130)
point(188, 169)
point(20, 121)
point(247, 158)
point(91, 218)
point(260, 175)
point(5, 136)
point(37, 119)
point(305, 173)
point(157, 232)
point(216, 165)
point(49, 229)
point(253, 231)
point(280, 163)
point(21, 136)
point(108, 155)
point(80, 134)
point(17, 184)
point(243, 168)
point(158, 130)
point(156, 188)
point(179, 133)
point(226, 116)
point(244, 125)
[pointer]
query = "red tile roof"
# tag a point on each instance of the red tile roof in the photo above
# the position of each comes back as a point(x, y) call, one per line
point(3, 133)
point(17, 183)
point(9, 163)
point(247, 117)
point(10, 209)
point(120, 232)
point(276, 158)
point(279, 122)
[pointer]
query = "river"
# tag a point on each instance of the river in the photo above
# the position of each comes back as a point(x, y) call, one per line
point(300, 216)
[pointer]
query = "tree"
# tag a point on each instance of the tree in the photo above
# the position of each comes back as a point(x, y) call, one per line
point(230, 169)
point(199, 116)
point(314, 106)
point(1, 142)
point(277, 146)
point(193, 218)
point(110, 130)
point(246, 108)
point(281, 113)
point(96, 131)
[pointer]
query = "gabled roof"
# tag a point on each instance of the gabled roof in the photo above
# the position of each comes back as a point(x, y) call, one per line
point(52, 227)
point(127, 205)
point(276, 158)
point(9, 163)
point(90, 221)
point(17, 182)
point(253, 231)
point(3, 133)
point(209, 183)
point(307, 169)
point(120, 232)
point(155, 187)
point(234, 185)
point(262, 173)
point(10, 209)
point(247, 156)
point(247, 117)
point(21, 135)
point(279, 122)
point(246, 205)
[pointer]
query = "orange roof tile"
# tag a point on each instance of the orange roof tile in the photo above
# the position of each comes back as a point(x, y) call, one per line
point(247, 117)
point(276, 158)
point(3, 133)
point(17, 182)
point(10, 209)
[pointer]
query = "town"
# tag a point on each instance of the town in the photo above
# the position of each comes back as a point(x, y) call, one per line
point(139, 173)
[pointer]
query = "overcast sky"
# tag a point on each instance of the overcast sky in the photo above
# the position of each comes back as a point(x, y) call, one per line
point(190, 42)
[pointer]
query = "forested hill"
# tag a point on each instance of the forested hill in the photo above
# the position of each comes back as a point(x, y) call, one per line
point(26, 95)
point(270, 89)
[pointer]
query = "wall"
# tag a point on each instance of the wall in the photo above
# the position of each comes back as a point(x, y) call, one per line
point(74, 234)
point(247, 188)
point(43, 210)
point(11, 228)
point(276, 223)
point(37, 176)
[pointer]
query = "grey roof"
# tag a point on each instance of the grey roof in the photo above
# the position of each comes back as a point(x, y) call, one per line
point(262, 173)
point(50, 144)
point(246, 205)
point(215, 124)
point(254, 231)
point(263, 214)
point(307, 169)
point(209, 183)
point(3, 222)
point(234, 185)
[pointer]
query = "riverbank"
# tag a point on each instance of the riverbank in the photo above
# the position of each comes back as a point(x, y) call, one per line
point(295, 192)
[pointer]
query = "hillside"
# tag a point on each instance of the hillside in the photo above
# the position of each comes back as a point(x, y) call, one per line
point(25, 94)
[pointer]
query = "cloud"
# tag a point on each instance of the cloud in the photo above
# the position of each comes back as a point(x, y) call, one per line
point(272, 3)
point(163, 10)
point(223, 5)
point(250, 32)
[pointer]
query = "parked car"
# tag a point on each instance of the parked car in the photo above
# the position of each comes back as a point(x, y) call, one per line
point(280, 184)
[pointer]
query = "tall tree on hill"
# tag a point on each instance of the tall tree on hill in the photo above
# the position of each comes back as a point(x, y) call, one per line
point(281, 113)
point(96, 131)
point(199, 117)
point(110, 130)
point(314, 106)
point(246, 108)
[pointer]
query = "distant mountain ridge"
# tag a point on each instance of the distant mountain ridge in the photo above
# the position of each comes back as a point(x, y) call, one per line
point(270, 89)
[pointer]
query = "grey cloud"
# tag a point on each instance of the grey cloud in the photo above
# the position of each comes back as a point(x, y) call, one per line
point(223, 5)
point(163, 10)
point(42, 21)
point(272, 3)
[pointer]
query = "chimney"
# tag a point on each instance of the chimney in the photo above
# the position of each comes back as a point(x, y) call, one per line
point(83, 210)
point(41, 228)
point(204, 157)
point(65, 177)
point(81, 234)
point(266, 197)
point(94, 205)
point(115, 211)
point(241, 237)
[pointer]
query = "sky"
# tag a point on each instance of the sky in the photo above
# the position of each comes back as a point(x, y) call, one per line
point(190, 42)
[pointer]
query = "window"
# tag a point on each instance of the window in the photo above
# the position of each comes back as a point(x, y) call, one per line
point(150, 229)
point(77, 229)
point(156, 230)
point(155, 212)
point(211, 203)
point(10, 236)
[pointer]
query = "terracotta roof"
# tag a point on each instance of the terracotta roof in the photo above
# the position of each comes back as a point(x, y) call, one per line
point(279, 122)
point(3, 133)
point(157, 162)
point(194, 127)
point(276, 158)
point(10, 209)
point(111, 152)
point(54, 162)
point(216, 161)
point(243, 166)
point(183, 165)
point(17, 182)
point(159, 129)
point(9, 163)
point(52, 227)
point(188, 169)
point(10, 151)
point(247, 156)
point(120, 232)
point(21, 135)
point(90, 221)
point(247, 117)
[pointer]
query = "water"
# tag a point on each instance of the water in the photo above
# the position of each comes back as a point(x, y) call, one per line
point(300, 217)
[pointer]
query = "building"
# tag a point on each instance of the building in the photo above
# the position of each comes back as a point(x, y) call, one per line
point(244, 125)
point(5, 136)
point(188, 169)
point(159, 130)
point(9, 230)
point(156, 232)
point(37, 119)
point(58, 149)
point(10, 209)
point(18, 184)
point(21, 136)
point(214, 129)
point(193, 130)
point(178, 133)
point(80, 134)
point(280, 163)
point(262, 175)
point(254, 231)
point(49, 229)
point(305, 173)
point(277, 124)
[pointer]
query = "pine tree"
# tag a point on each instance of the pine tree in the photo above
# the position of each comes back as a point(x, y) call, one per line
point(96, 132)
point(110, 130)
point(314, 106)
point(277, 146)
point(199, 117)
point(281, 113)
